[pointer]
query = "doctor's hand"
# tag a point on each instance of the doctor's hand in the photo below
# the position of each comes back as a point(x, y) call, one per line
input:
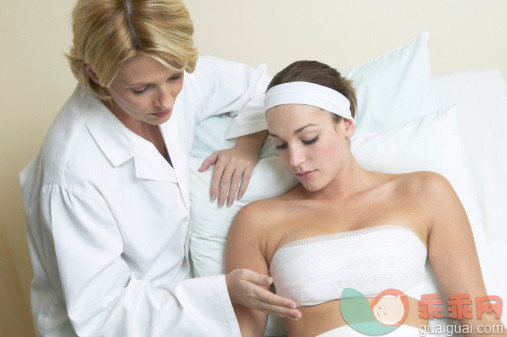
point(233, 166)
point(248, 288)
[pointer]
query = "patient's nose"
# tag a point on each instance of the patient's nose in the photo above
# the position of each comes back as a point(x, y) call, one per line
point(296, 156)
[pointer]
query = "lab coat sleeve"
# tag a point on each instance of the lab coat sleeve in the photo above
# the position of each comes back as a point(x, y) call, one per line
point(235, 88)
point(103, 296)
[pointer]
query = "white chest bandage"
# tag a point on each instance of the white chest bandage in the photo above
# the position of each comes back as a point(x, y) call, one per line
point(309, 94)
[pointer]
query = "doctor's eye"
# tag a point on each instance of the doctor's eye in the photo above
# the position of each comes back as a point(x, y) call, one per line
point(311, 141)
point(175, 77)
point(140, 92)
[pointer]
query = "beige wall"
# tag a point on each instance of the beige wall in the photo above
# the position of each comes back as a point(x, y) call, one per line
point(35, 79)
point(465, 34)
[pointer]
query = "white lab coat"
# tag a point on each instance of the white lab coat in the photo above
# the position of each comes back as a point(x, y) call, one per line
point(108, 217)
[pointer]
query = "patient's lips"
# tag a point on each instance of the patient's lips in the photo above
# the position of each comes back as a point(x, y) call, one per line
point(390, 307)
point(305, 174)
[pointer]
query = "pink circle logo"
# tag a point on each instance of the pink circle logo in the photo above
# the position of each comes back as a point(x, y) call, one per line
point(390, 307)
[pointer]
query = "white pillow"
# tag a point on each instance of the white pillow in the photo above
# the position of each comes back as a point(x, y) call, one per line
point(394, 88)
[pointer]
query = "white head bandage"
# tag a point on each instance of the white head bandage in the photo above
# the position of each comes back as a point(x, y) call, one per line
point(309, 94)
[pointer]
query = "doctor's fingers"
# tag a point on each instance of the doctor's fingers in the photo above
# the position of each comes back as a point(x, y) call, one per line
point(216, 178)
point(239, 176)
point(225, 182)
point(276, 305)
point(245, 179)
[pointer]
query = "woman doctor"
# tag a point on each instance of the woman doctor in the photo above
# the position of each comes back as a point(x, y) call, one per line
point(106, 198)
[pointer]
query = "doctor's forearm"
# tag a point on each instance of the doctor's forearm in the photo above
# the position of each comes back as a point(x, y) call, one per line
point(253, 141)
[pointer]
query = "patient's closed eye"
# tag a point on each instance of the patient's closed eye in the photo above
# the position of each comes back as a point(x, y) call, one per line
point(306, 142)
point(311, 141)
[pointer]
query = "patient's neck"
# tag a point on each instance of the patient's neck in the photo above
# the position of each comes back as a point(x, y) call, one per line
point(349, 181)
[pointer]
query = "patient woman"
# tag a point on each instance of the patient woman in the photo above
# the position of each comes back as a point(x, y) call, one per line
point(346, 227)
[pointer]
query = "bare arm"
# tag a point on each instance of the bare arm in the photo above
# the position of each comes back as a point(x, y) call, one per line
point(244, 250)
point(452, 252)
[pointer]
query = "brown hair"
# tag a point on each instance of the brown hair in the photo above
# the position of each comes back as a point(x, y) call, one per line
point(318, 73)
point(108, 32)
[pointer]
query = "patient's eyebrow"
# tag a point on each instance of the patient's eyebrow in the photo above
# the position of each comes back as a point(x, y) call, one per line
point(295, 132)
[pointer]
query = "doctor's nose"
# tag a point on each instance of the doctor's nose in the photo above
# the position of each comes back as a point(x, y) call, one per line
point(164, 99)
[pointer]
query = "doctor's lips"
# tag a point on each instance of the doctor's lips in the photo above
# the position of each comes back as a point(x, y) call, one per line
point(162, 114)
point(305, 174)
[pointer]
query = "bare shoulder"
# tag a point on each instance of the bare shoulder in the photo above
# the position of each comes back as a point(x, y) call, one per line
point(258, 215)
point(432, 192)
point(265, 213)
point(425, 184)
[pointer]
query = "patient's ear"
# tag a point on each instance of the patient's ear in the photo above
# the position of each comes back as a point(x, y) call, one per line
point(349, 127)
point(89, 70)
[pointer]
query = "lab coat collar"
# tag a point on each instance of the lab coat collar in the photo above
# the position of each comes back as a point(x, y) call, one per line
point(175, 136)
point(111, 135)
point(119, 144)
point(148, 162)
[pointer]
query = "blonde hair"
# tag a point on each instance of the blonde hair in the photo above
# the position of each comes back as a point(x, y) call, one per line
point(108, 32)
